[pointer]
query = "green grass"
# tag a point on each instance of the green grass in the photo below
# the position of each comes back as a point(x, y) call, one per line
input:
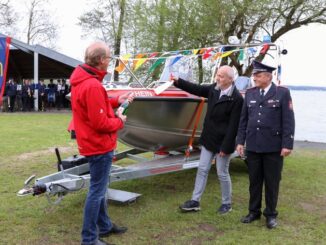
point(154, 218)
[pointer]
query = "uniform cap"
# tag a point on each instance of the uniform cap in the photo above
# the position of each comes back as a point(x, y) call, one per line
point(260, 67)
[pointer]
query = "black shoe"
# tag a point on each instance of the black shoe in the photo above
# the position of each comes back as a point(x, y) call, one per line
point(225, 208)
point(114, 230)
point(250, 218)
point(190, 205)
point(271, 222)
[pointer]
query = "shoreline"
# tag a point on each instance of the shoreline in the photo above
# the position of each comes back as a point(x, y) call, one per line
point(304, 144)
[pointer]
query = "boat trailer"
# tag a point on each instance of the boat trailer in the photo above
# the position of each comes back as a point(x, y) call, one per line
point(73, 174)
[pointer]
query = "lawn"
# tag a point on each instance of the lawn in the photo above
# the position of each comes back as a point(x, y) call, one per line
point(27, 143)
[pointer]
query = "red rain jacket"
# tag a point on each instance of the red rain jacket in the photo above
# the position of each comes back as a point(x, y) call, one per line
point(94, 120)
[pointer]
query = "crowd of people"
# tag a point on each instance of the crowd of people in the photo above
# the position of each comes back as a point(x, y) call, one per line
point(21, 96)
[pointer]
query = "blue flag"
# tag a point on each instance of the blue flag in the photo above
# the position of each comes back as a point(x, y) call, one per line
point(4, 55)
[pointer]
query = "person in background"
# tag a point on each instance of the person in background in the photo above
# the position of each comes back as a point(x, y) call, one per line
point(66, 91)
point(31, 96)
point(96, 126)
point(58, 95)
point(25, 94)
point(52, 88)
point(19, 101)
point(5, 100)
point(267, 128)
point(218, 135)
point(11, 93)
point(41, 95)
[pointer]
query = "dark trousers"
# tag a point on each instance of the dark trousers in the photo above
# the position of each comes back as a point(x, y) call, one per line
point(41, 102)
point(12, 102)
point(264, 168)
point(25, 103)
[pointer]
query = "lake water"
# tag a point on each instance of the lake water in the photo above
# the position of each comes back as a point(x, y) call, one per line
point(310, 115)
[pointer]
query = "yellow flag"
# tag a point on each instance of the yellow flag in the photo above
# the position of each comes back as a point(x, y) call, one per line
point(139, 63)
point(121, 67)
point(226, 54)
point(138, 56)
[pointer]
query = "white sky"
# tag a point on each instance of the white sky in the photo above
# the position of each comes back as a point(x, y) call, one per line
point(303, 65)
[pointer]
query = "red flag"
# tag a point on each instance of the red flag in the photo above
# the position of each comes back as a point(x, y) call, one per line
point(4, 55)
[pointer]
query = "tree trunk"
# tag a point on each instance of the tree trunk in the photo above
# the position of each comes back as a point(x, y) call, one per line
point(200, 69)
point(117, 43)
point(160, 34)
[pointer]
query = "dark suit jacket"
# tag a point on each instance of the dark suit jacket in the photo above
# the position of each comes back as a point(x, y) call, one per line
point(222, 116)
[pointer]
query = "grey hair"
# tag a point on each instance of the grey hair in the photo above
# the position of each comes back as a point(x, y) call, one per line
point(229, 71)
point(93, 55)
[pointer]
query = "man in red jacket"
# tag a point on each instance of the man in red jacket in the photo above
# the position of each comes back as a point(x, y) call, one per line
point(96, 127)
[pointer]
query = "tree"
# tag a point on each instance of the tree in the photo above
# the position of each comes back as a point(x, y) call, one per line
point(41, 28)
point(252, 19)
point(161, 25)
point(7, 20)
point(107, 20)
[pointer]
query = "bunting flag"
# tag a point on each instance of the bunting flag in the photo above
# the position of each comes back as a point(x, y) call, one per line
point(207, 54)
point(152, 55)
point(227, 54)
point(241, 55)
point(4, 55)
point(156, 64)
point(138, 56)
point(195, 51)
point(264, 49)
point(176, 59)
point(211, 53)
point(216, 56)
point(121, 67)
point(139, 63)
point(186, 52)
point(202, 50)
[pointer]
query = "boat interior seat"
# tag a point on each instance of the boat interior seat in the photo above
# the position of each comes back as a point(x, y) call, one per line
point(134, 85)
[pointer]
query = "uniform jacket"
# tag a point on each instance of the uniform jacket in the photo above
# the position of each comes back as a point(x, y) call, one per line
point(12, 89)
point(267, 124)
point(94, 120)
point(26, 90)
point(222, 116)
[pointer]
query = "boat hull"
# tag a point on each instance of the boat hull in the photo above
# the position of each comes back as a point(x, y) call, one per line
point(162, 123)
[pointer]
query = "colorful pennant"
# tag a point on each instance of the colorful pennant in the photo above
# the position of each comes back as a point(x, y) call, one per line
point(156, 64)
point(121, 67)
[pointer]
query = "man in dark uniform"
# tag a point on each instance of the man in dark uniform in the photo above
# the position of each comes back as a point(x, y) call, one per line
point(267, 127)
point(11, 93)
point(41, 95)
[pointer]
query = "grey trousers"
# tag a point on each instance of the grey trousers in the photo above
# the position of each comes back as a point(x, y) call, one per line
point(222, 167)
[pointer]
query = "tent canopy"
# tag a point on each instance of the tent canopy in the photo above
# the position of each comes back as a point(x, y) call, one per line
point(51, 64)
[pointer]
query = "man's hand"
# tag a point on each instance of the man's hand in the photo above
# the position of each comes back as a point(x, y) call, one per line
point(173, 78)
point(240, 150)
point(285, 152)
point(120, 115)
point(127, 96)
